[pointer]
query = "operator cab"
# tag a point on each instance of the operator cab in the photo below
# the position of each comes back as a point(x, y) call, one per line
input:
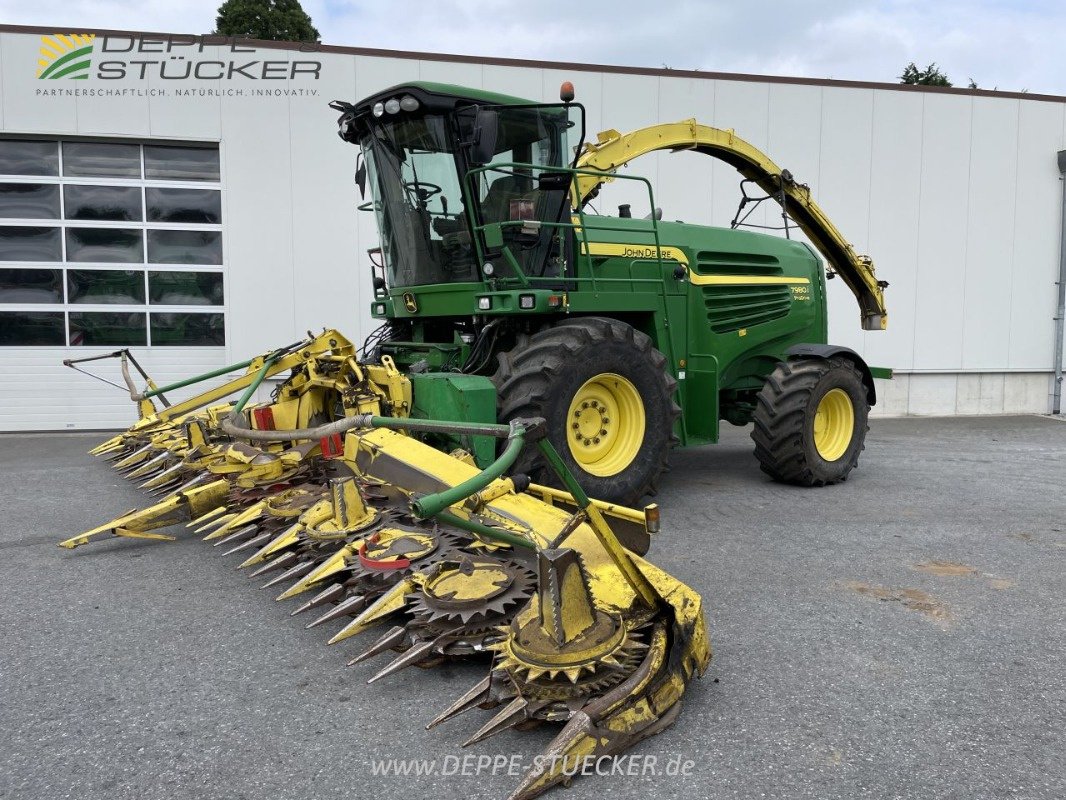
point(462, 181)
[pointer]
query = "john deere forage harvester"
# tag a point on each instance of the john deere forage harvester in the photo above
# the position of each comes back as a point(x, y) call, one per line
point(533, 353)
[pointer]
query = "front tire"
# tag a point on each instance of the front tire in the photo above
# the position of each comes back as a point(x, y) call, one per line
point(608, 400)
point(811, 420)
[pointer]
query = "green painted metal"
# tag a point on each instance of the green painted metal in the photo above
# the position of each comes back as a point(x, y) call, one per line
point(716, 346)
point(190, 381)
point(433, 504)
point(722, 305)
point(551, 455)
point(250, 391)
point(494, 534)
point(458, 397)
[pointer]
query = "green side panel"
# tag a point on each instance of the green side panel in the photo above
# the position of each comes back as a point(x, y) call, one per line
point(454, 397)
point(881, 372)
point(698, 384)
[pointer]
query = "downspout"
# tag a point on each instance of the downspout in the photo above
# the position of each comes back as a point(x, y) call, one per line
point(1060, 311)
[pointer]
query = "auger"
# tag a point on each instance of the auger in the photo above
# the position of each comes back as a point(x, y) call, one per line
point(350, 511)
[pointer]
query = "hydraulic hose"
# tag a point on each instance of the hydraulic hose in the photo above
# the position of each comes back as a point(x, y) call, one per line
point(433, 504)
point(231, 427)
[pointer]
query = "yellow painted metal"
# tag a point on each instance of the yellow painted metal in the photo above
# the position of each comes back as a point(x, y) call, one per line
point(386, 605)
point(615, 249)
point(612, 150)
point(834, 424)
point(177, 508)
point(744, 280)
point(286, 538)
point(550, 493)
point(337, 562)
point(458, 585)
point(606, 424)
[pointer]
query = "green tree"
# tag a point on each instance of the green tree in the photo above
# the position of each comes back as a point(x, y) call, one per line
point(930, 76)
point(279, 20)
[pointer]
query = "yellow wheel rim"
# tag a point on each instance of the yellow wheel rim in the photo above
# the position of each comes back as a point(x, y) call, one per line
point(834, 424)
point(605, 424)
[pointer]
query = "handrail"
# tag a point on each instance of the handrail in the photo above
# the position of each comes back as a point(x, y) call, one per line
point(580, 228)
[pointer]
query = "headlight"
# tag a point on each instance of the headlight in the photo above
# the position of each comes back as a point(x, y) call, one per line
point(378, 109)
point(408, 103)
point(379, 309)
point(527, 301)
point(392, 106)
point(484, 303)
point(488, 269)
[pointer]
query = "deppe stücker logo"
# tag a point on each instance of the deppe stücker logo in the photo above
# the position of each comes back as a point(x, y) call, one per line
point(170, 57)
point(65, 55)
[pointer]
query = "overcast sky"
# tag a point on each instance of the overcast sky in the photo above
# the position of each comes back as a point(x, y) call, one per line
point(1012, 46)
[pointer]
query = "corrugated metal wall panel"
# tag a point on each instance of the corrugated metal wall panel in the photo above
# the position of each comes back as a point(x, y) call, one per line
point(38, 393)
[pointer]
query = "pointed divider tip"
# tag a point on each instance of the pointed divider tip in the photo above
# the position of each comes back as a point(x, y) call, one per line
point(166, 477)
point(297, 571)
point(386, 642)
point(512, 714)
point(236, 536)
point(155, 462)
point(471, 699)
point(328, 595)
point(200, 520)
point(352, 605)
point(393, 600)
point(281, 562)
point(223, 516)
point(412, 656)
point(287, 537)
point(255, 541)
point(337, 562)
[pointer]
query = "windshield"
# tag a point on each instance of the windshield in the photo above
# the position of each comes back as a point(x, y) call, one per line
point(414, 165)
point(412, 168)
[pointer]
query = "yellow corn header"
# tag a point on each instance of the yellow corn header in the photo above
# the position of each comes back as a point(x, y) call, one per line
point(330, 491)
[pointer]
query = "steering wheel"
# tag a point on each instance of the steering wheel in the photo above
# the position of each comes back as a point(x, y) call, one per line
point(422, 191)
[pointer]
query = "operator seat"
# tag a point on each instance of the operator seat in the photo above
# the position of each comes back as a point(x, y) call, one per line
point(497, 203)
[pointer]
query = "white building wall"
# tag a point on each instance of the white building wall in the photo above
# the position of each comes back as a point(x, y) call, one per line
point(955, 196)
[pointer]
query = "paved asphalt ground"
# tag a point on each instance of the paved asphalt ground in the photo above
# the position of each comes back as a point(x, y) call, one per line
point(899, 636)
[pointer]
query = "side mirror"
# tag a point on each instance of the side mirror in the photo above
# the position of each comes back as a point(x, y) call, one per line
point(360, 177)
point(486, 134)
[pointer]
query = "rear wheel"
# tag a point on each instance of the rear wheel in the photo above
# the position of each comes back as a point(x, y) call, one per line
point(811, 421)
point(608, 400)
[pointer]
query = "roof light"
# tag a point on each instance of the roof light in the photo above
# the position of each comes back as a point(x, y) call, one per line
point(392, 106)
point(379, 109)
point(408, 103)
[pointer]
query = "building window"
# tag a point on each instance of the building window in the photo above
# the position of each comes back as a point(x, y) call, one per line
point(111, 243)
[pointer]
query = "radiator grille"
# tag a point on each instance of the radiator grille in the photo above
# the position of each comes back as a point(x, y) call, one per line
point(730, 308)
